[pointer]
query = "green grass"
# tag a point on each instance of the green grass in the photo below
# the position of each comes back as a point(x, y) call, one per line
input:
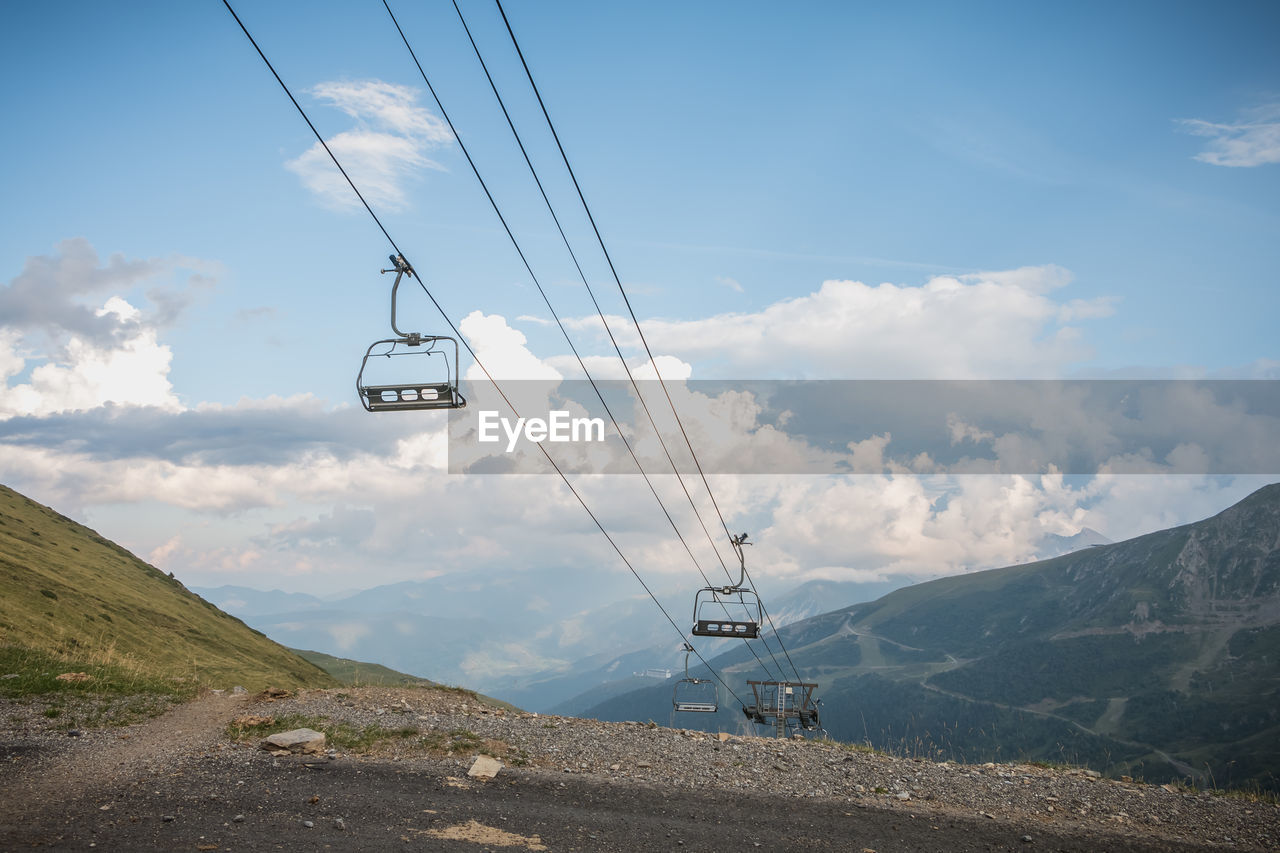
point(865, 748)
point(338, 734)
point(1054, 765)
point(354, 673)
point(35, 673)
point(111, 696)
point(1253, 793)
point(346, 737)
point(453, 742)
point(95, 711)
point(69, 594)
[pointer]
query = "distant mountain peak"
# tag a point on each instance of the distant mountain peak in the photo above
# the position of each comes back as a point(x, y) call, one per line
point(1055, 544)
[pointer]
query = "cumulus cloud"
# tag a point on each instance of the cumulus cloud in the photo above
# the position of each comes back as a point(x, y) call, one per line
point(136, 373)
point(502, 350)
point(664, 367)
point(983, 325)
point(388, 145)
point(59, 294)
point(52, 292)
point(344, 524)
point(272, 430)
point(66, 323)
point(320, 508)
point(160, 555)
point(874, 528)
point(1254, 140)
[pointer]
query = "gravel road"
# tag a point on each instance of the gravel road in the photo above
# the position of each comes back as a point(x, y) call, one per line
point(178, 782)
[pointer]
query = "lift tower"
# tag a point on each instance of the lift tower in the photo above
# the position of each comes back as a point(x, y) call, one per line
point(782, 704)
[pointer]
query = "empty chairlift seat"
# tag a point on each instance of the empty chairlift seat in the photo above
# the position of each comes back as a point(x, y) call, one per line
point(410, 371)
point(402, 393)
point(696, 695)
point(726, 612)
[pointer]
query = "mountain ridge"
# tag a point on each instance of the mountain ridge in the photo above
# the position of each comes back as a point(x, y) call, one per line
point(1155, 655)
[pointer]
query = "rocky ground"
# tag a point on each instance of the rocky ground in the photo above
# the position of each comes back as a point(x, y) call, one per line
point(70, 791)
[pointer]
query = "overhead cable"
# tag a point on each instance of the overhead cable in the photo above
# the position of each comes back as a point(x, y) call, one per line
point(634, 319)
point(473, 354)
point(551, 209)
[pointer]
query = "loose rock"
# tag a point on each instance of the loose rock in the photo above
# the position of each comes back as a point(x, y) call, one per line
point(306, 741)
point(484, 767)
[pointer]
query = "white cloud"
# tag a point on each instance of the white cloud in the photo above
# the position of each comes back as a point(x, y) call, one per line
point(502, 350)
point(134, 373)
point(378, 163)
point(12, 356)
point(871, 527)
point(385, 105)
point(1004, 324)
point(82, 353)
point(160, 556)
point(387, 147)
point(1087, 309)
point(479, 548)
point(666, 367)
point(57, 295)
point(1252, 141)
point(1126, 506)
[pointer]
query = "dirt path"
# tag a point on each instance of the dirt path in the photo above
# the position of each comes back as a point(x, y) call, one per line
point(85, 767)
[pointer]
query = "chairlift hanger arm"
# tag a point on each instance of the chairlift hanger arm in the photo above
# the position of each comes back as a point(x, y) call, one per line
point(738, 543)
point(400, 267)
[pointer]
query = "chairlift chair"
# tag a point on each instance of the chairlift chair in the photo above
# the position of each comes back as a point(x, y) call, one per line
point(712, 607)
point(405, 391)
point(712, 616)
point(697, 695)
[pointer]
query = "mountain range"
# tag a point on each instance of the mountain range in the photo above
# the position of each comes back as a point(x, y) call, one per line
point(501, 639)
point(1157, 657)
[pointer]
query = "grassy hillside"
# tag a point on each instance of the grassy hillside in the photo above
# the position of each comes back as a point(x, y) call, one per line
point(72, 601)
point(354, 673)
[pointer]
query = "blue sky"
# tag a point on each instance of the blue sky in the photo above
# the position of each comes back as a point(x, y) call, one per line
point(824, 191)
